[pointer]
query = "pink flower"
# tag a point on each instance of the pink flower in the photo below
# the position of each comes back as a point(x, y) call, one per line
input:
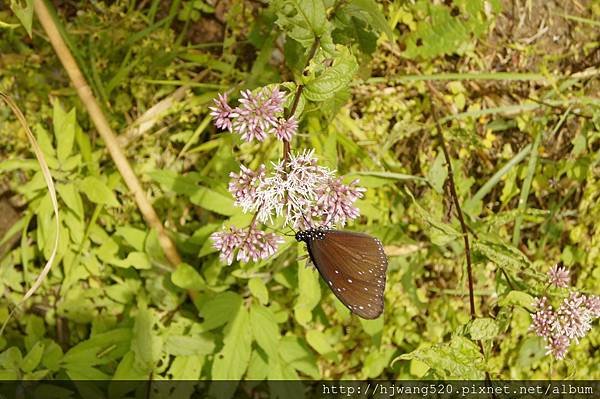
point(335, 202)
point(286, 128)
point(258, 245)
point(559, 276)
point(257, 114)
point(592, 303)
point(558, 346)
point(221, 113)
point(541, 304)
point(243, 185)
point(227, 242)
point(250, 244)
point(574, 319)
point(543, 322)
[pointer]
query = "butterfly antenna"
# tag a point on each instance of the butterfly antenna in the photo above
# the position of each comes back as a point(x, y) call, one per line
point(281, 232)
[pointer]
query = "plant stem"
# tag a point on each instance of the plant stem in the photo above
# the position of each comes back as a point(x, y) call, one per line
point(105, 131)
point(296, 100)
point(463, 225)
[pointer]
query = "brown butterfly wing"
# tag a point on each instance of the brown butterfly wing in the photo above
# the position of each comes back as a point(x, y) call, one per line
point(354, 267)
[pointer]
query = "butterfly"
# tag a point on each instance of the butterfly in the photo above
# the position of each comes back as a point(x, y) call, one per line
point(352, 264)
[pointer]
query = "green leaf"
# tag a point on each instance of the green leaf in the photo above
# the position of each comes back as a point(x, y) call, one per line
point(309, 293)
point(127, 370)
point(232, 361)
point(33, 358)
point(145, 343)
point(97, 191)
point(259, 290)
point(503, 255)
point(438, 173)
point(134, 237)
point(372, 327)
point(294, 352)
point(440, 233)
point(319, 342)
point(376, 18)
point(302, 20)
point(220, 310)
point(71, 197)
point(202, 196)
point(439, 32)
point(85, 373)
point(64, 131)
point(258, 367)
point(11, 358)
point(100, 348)
point(137, 260)
point(24, 13)
point(52, 356)
point(183, 345)
point(458, 359)
point(334, 78)
point(186, 277)
point(265, 329)
point(376, 361)
point(483, 328)
point(517, 298)
point(185, 368)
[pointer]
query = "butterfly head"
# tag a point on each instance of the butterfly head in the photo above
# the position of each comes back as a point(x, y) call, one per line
point(310, 234)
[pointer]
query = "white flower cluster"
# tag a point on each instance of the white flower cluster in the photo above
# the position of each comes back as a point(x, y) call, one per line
point(299, 190)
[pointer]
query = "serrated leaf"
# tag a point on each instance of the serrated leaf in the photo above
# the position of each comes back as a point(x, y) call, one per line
point(483, 328)
point(502, 255)
point(438, 173)
point(458, 359)
point(517, 298)
point(439, 32)
point(376, 18)
point(334, 78)
point(259, 290)
point(64, 131)
point(232, 361)
point(302, 20)
point(265, 329)
point(97, 191)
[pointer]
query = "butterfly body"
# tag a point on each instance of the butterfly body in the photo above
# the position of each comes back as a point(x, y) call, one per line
point(354, 266)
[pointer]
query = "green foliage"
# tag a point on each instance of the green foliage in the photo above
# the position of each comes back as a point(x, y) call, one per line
point(112, 306)
point(440, 29)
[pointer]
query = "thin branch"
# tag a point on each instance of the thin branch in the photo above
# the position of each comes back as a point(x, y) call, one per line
point(297, 95)
point(105, 131)
point(459, 213)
